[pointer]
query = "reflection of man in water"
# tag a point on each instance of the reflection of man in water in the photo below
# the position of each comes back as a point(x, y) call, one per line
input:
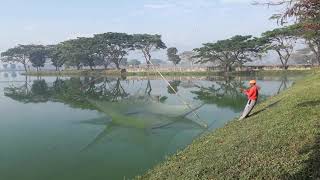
point(252, 93)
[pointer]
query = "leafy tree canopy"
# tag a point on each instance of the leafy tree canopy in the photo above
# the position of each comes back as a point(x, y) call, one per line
point(20, 54)
point(113, 46)
point(236, 50)
point(282, 41)
point(173, 56)
point(147, 43)
point(306, 15)
point(38, 57)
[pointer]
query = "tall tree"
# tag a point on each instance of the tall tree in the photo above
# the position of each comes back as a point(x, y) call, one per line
point(113, 46)
point(312, 38)
point(147, 43)
point(78, 52)
point(19, 54)
point(229, 52)
point(173, 56)
point(87, 51)
point(305, 13)
point(71, 53)
point(281, 40)
point(56, 56)
point(38, 57)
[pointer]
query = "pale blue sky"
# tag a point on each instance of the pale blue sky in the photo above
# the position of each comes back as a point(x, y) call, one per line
point(185, 24)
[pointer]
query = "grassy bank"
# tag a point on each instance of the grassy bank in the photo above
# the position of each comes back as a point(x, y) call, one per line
point(281, 140)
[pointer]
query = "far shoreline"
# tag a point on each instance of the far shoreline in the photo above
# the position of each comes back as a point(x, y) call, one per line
point(153, 73)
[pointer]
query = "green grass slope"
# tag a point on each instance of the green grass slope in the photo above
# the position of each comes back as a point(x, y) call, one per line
point(281, 140)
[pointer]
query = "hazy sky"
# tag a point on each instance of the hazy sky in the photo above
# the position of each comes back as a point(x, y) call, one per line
point(185, 24)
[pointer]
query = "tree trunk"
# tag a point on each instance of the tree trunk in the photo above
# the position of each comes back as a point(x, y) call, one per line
point(106, 62)
point(91, 64)
point(286, 66)
point(227, 68)
point(283, 60)
point(25, 67)
point(24, 63)
point(147, 57)
point(315, 48)
point(317, 53)
point(318, 58)
point(117, 65)
point(284, 63)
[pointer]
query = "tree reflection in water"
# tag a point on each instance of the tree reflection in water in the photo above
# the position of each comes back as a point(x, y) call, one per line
point(76, 91)
point(224, 94)
point(174, 84)
point(284, 84)
point(106, 95)
point(124, 109)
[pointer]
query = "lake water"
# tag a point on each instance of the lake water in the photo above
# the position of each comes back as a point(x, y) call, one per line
point(88, 128)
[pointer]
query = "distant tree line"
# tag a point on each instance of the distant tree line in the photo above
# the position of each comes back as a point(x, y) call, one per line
point(99, 50)
point(238, 50)
point(112, 48)
point(241, 49)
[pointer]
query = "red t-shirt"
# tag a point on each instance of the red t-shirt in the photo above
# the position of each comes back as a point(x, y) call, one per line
point(252, 93)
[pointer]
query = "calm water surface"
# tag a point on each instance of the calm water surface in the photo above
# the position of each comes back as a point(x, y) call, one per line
point(108, 128)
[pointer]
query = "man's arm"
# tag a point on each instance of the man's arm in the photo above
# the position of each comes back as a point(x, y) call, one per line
point(249, 92)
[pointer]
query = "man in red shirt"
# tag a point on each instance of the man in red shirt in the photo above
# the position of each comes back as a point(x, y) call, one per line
point(252, 94)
